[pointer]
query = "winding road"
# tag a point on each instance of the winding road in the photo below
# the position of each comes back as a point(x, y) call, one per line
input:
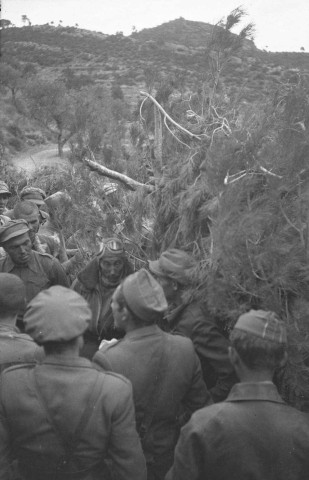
point(40, 156)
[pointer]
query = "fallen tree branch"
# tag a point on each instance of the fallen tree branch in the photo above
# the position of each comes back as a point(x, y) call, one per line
point(166, 115)
point(130, 183)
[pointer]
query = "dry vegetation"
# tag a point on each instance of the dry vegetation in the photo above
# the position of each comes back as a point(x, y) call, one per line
point(219, 139)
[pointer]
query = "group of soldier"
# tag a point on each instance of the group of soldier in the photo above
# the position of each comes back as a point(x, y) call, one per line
point(122, 375)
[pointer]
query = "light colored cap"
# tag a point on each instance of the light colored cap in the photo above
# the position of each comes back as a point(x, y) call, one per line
point(34, 194)
point(175, 264)
point(144, 296)
point(13, 228)
point(57, 314)
point(262, 324)
point(4, 188)
point(58, 199)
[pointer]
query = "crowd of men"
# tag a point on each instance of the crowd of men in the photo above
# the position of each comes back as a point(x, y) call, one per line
point(121, 375)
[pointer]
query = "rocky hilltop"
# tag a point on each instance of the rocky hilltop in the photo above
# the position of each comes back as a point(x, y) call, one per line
point(173, 49)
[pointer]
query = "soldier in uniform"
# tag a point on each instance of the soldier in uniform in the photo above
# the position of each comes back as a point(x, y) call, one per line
point(253, 434)
point(64, 419)
point(15, 347)
point(37, 270)
point(35, 195)
point(191, 318)
point(4, 198)
point(41, 243)
point(97, 283)
point(164, 370)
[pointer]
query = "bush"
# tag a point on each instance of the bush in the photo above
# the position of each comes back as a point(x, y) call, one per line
point(16, 143)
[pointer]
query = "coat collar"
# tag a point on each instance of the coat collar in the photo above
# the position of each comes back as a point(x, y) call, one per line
point(143, 331)
point(8, 329)
point(30, 265)
point(257, 391)
point(67, 361)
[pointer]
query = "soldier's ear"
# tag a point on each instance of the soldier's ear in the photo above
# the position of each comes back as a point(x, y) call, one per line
point(233, 357)
point(125, 314)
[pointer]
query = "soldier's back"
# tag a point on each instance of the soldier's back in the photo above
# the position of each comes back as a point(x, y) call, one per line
point(66, 387)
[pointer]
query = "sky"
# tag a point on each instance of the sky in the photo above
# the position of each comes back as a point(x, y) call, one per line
point(281, 25)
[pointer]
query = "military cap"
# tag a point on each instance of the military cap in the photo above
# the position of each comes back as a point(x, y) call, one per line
point(12, 229)
point(262, 324)
point(111, 247)
point(4, 188)
point(175, 264)
point(144, 296)
point(57, 314)
point(57, 199)
point(34, 194)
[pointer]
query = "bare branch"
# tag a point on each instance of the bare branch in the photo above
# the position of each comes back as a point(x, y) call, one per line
point(130, 183)
point(166, 115)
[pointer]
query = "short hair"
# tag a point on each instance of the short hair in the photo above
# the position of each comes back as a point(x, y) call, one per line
point(12, 294)
point(58, 347)
point(120, 298)
point(25, 207)
point(257, 353)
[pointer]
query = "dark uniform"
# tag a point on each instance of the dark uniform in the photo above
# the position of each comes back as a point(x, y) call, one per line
point(195, 322)
point(62, 419)
point(253, 434)
point(40, 273)
point(175, 269)
point(98, 291)
point(66, 386)
point(182, 389)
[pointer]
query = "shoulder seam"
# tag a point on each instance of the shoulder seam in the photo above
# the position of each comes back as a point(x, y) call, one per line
point(19, 366)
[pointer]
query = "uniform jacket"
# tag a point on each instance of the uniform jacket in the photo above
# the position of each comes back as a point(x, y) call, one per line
point(53, 229)
point(16, 347)
point(136, 356)
point(66, 385)
point(99, 298)
point(3, 221)
point(194, 321)
point(252, 435)
point(42, 271)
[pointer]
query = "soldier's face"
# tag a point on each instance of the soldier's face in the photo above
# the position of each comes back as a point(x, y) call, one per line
point(34, 223)
point(111, 268)
point(19, 249)
point(169, 287)
point(4, 197)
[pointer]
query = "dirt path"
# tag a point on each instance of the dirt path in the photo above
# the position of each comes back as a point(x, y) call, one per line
point(40, 156)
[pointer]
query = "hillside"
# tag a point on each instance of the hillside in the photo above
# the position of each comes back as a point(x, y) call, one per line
point(176, 49)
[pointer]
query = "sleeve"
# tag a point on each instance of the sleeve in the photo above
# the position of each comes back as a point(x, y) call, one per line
point(125, 449)
point(5, 470)
point(212, 349)
point(100, 362)
point(188, 459)
point(57, 274)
